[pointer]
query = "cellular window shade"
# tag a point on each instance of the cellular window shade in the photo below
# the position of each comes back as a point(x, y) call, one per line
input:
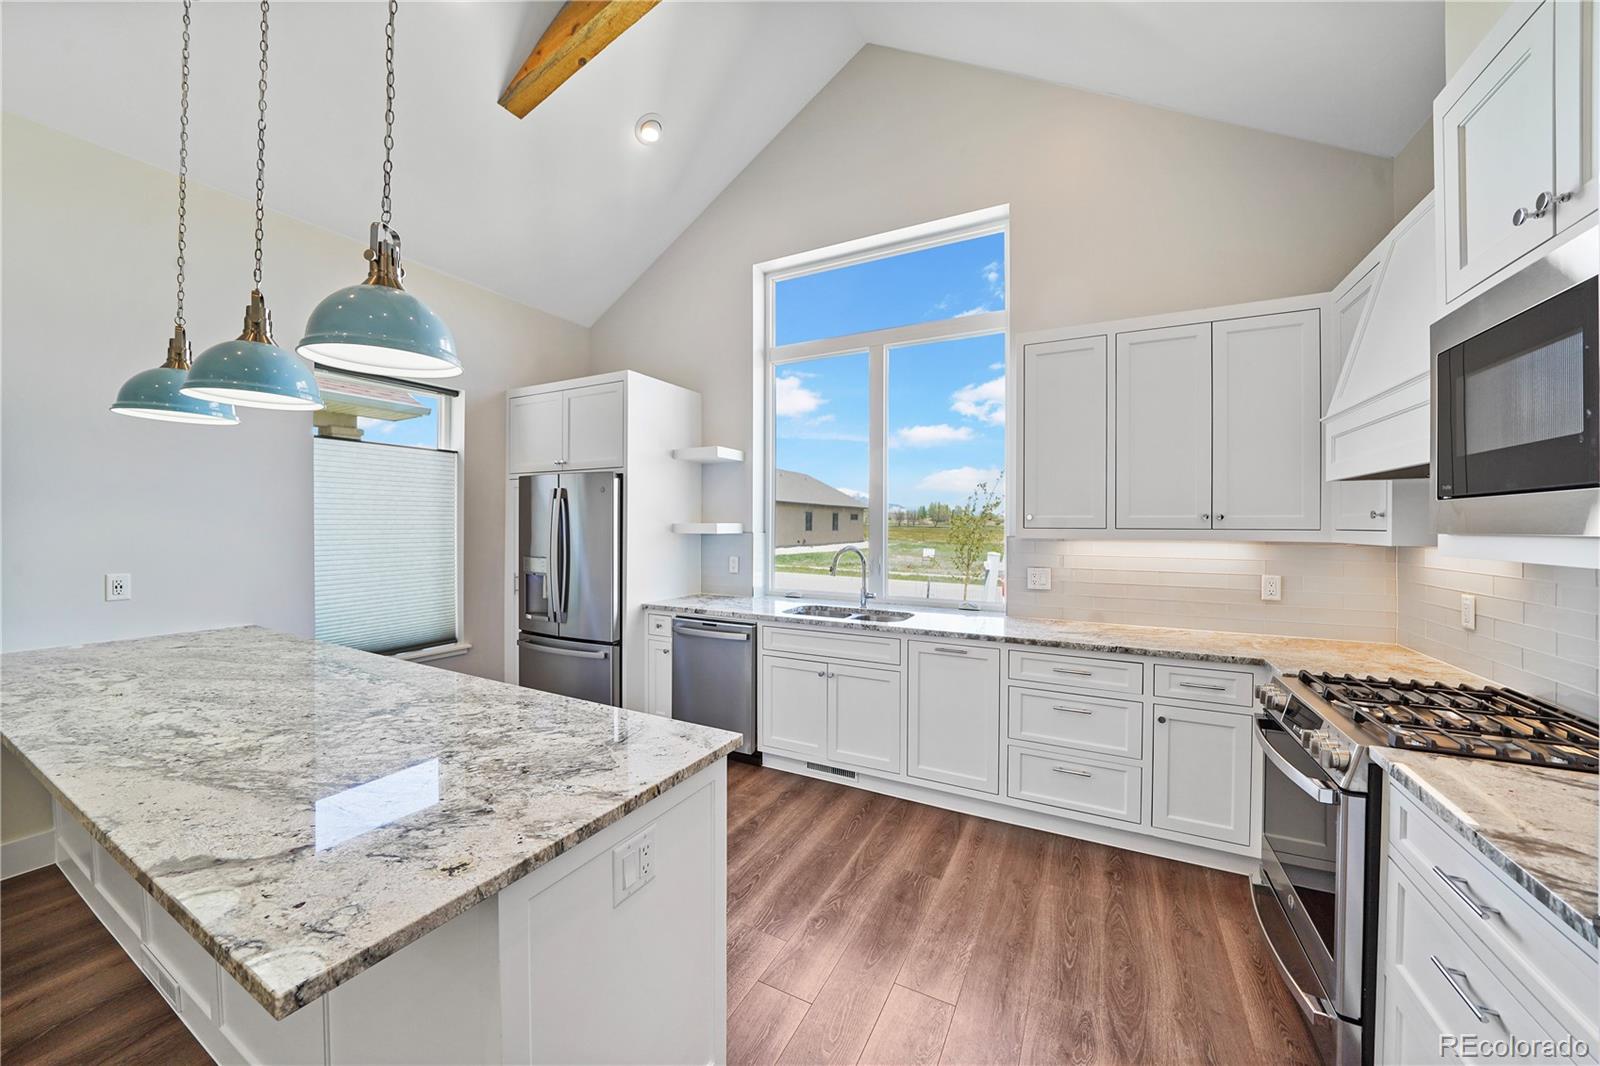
point(385, 529)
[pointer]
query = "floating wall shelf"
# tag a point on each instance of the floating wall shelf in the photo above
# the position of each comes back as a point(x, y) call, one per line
point(709, 453)
point(708, 527)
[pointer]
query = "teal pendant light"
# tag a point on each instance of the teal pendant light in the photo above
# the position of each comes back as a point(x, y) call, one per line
point(377, 327)
point(157, 393)
point(252, 371)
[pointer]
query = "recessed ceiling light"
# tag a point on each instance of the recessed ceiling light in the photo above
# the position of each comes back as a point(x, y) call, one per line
point(648, 129)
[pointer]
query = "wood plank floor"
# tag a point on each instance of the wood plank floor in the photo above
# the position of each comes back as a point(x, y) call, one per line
point(863, 928)
point(68, 992)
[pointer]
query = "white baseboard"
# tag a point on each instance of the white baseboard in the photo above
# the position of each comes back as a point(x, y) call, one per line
point(26, 854)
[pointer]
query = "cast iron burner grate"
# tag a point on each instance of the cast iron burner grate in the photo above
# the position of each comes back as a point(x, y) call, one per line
point(1482, 723)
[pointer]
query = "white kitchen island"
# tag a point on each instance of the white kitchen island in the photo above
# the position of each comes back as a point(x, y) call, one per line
point(319, 855)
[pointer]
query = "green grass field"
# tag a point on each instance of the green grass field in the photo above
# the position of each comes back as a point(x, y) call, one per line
point(906, 560)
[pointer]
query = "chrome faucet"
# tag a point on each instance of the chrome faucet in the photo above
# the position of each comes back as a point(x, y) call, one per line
point(833, 569)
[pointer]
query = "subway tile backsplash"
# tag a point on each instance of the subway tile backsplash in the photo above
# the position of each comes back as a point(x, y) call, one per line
point(1536, 625)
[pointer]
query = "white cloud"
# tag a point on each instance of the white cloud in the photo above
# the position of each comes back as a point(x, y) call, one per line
point(997, 366)
point(793, 398)
point(960, 479)
point(931, 436)
point(986, 402)
point(981, 309)
point(857, 493)
point(991, 275)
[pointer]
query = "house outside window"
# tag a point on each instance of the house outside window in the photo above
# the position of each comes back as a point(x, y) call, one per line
point(885, 371)
point(386, 482)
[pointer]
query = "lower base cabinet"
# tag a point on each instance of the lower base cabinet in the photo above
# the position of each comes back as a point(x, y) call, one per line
point(658, 671)
point(954, 721)
point(1075, 784)
point(836, 713)
point(794, 707)
point(1201, 773)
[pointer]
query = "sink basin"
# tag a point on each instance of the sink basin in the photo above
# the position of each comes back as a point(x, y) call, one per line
point(880, 616)
point(818, 610)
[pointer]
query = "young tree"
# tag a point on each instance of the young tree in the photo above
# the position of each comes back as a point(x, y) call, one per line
point(971, 528)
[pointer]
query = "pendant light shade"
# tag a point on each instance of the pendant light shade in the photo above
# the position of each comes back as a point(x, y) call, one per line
point(377, 326)
point(157, 393)
point(252, 371)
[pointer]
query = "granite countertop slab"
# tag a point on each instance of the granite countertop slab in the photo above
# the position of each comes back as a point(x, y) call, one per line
point(1540, 826)
point(305, 810)
point(1283, 654)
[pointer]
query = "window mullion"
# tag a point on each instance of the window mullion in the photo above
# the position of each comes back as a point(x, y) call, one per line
point(878, 478)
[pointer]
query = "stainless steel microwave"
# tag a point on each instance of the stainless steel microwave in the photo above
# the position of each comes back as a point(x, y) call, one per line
point(1516, 397)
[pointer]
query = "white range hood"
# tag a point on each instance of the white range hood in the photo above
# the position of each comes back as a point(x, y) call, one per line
point(1377, 422)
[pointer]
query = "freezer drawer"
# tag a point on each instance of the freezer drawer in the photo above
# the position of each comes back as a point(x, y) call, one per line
point(571, 668)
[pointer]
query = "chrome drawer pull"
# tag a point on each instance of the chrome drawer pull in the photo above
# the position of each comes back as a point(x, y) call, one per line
point(949, 651)
point(1070, 670)
point(1068, 770)
point(1202, 685)
point(1072, 710)
point(1459, 886)
point(1453, 978)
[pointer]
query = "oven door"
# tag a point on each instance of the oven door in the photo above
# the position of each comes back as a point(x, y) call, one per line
point(1309, 900)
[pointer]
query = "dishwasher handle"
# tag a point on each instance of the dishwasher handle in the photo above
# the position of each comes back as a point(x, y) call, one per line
point(710, 630)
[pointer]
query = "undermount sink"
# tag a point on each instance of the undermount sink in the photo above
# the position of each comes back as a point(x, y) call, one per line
point(851, 614)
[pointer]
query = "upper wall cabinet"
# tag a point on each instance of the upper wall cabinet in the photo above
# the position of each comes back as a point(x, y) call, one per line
point(1514, 142)
point(578, 428)
point(1377, 421)
point(1266, 446)
point(1164, 428)
point(1064, 390)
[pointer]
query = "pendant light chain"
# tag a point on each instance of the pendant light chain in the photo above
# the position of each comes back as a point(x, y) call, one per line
point(183, 162)
point(385, 210)
point(261, 141)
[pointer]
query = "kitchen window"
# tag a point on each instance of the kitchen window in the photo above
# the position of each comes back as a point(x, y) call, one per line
point(386, 476)
point(885, 373)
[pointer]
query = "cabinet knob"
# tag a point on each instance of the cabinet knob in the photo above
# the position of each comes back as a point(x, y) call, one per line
point(1029, 517)
point(1220, 517)
point(1161, 719)
point(1541, 207)
point(1378, 514)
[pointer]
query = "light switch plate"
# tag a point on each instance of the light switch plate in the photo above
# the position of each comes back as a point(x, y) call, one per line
point(633, 865)
point(1469, 611)
point(1271, 587)
point(1039, 578)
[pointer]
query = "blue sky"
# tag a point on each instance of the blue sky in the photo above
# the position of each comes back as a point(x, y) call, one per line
point(946, 399)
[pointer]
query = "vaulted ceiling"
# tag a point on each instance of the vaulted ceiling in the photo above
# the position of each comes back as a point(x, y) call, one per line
point(563, 210)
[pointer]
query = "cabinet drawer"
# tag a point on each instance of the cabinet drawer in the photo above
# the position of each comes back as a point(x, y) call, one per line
point(1106, 675)
point(1235, 687)
point(1094, 723)
point(1510, 928)
point(659, 625)
point(833, 644)
point(1460, 989)
point(1074, 784)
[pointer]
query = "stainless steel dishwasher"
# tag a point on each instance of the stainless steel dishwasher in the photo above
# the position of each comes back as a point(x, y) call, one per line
point(714, 676)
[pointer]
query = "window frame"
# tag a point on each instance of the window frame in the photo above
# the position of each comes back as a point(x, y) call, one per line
point(772, 357)
point(452, 438)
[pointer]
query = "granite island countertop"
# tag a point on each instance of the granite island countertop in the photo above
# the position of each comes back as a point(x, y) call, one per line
point(1283, 654)
point(305, 810)
point(1540, 826)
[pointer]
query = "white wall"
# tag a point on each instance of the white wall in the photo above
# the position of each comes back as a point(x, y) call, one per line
point(1117, 209)
point(214, 524)
point(1467, 22)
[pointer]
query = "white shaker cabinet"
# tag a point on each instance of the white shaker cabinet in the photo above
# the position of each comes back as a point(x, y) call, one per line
point(1360, 506)
point(658, 671)
point(1266, 401)
point(1202, 773)
point(1164, 428)
point(1064, 388)
point(953, 719)
point(794, 706)
point(578, 428)
point(865, 709)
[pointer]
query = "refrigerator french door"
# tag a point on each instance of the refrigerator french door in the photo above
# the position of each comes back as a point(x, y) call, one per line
point(569, 551)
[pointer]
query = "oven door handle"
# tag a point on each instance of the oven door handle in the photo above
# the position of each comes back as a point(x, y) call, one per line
point(1309, 1004)
point(1317, 790)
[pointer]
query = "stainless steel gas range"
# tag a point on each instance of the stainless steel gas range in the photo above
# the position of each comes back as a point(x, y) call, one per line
point(1317, 894)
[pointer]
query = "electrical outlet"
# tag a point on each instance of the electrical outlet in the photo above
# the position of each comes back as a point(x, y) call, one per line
point(1469, 611)
point(633, 865)
point(1271, 587)
point(119, 587)
point(733, 564)
point(1039, 578)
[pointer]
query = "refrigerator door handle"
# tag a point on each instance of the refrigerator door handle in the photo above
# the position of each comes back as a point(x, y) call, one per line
point(546, 649)
point(566, 556)
point(552, 563)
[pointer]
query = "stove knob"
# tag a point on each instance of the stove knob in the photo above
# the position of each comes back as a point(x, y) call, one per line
point(1313, 742)
point(1334, 758)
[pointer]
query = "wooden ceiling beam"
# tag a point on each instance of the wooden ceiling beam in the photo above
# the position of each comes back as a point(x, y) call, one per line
point(578, 33)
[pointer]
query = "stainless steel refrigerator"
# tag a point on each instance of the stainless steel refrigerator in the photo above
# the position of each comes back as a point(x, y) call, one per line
point(569, 547)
